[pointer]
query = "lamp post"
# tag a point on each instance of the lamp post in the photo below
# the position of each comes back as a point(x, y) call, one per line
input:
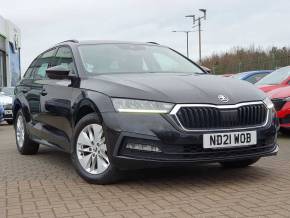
point(186, 32)
point(198, 20)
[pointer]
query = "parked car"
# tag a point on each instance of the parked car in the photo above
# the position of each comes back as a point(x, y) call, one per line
point(281, 100)
point(252, 76)
point(122, 105)
point(277, 79)
point(6, 99)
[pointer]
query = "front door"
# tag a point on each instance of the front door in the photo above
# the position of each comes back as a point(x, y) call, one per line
point(56, 103)
point(33, 95)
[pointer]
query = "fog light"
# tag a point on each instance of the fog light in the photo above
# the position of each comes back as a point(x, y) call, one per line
point(142, 147)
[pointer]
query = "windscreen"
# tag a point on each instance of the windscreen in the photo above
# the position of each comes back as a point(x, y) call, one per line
point(275, 77)
point(133, 58)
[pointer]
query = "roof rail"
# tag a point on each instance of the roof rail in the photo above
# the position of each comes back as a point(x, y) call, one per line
point(70, 40)
point(155, 43)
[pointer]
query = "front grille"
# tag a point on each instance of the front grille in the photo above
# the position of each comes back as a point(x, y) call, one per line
point(278, 103)
point(198, 118)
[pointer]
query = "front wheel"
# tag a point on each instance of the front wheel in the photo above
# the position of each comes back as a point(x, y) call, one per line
point(90, 154)
point(239, 163)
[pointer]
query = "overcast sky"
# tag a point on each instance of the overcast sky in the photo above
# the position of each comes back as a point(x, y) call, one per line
point(230, 23)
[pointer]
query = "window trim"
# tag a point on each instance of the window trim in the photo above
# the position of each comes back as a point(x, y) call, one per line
point(42, 53)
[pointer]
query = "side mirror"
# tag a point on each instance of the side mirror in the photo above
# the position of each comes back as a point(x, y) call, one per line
point(57, 72)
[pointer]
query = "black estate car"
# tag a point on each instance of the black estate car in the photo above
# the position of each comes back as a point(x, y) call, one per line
point(122, 105)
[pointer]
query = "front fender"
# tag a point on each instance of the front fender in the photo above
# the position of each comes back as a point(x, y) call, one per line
point(97, 101)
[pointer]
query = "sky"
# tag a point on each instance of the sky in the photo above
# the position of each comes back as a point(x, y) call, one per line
point(229, 23)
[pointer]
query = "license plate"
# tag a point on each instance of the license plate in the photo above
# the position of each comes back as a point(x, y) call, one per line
point(8, 112)
point(232, 139)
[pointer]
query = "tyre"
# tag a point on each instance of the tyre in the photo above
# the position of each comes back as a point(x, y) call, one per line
point(239, 163)
point(90, 154)
point(24, 144)
point(10, 122)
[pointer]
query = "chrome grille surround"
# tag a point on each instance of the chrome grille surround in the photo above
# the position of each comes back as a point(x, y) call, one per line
point(177, 107)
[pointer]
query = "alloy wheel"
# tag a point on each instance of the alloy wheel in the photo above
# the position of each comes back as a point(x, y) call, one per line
point(92, 150)
point(20, 132)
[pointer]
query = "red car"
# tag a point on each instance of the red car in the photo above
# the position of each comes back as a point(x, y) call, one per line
point(277, 79)
point(281, 100)
point(277, 86)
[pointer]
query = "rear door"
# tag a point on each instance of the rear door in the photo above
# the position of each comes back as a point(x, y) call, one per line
point(22, 91)
point(56, 104)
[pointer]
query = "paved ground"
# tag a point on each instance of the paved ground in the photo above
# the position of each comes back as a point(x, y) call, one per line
point(45, 185)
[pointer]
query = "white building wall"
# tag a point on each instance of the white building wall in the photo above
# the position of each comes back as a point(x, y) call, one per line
point(12, 35)
point(2, 26)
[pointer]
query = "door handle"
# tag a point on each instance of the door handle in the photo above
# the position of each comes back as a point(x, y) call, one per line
point(43, 92)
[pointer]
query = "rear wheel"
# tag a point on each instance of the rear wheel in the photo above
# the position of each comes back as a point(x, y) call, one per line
point(24, 144)
point(90, 154)
point(239, 163)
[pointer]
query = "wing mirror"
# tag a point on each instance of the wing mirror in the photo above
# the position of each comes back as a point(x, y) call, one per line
point(58, 72)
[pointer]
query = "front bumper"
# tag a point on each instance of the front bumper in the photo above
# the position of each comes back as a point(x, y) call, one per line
point(178, 147)
point(7, 115)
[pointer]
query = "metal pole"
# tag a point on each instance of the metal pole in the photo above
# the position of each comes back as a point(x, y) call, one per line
point(199, 27)
point(199, 39)
point(187, 39)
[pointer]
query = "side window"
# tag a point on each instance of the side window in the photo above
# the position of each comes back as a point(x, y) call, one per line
point(64, 58)
point(43, 62)
point(29, 72)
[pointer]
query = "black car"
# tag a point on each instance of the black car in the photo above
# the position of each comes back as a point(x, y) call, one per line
point(123, 105)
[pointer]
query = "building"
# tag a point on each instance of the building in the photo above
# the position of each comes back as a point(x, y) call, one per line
point(9, 53)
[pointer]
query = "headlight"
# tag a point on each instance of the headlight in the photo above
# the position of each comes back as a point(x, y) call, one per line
point(141, 106)
point(267, 101)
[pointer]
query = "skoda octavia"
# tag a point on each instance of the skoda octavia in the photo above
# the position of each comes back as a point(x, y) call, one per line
point(121, 105)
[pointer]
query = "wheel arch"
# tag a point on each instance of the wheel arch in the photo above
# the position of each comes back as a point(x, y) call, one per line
point(17, 105)
point(83, 108)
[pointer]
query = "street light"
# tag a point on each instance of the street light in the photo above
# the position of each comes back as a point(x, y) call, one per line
point(194, 19)
point(186, 32)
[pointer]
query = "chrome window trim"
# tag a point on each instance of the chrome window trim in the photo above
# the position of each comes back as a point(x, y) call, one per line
point(231, 106)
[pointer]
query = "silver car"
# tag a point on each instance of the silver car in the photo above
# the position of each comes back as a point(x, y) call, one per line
point(6, 99)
